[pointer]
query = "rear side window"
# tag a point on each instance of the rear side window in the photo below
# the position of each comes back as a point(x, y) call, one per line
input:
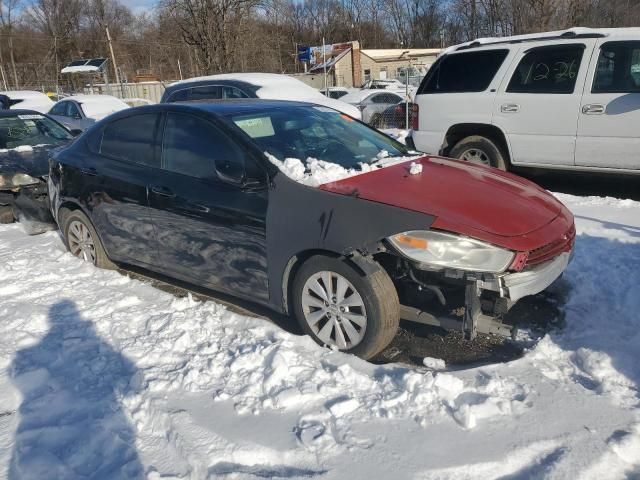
point(132, 139)
point(192, 146)
point(208, 92)
point(463, 72)
point(547, 70)
point(618, 69)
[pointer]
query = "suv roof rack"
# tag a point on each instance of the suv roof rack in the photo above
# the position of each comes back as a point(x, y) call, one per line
point(566, 35)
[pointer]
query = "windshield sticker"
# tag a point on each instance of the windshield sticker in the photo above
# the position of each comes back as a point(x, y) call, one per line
point(30, 117)
point(256, 127)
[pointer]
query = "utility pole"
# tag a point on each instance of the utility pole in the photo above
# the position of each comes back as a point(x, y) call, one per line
point(113, 59)
point(324, 62)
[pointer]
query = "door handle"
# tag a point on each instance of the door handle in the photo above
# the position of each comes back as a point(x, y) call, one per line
point(510, 108)
point(89, 171)
point(163, 191)
point(593, 109)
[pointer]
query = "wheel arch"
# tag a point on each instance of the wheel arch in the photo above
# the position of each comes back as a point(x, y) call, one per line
point(361, 263)
point(459, 131)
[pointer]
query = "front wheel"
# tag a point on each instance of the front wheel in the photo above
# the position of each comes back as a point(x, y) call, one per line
point(341, 308)
point(479, 150)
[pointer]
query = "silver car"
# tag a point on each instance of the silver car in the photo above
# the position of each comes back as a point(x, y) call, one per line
point(372, 102)
point(79, 112)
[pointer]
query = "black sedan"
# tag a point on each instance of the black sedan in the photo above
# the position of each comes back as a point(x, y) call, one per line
point(26, 140)
point(219, 195)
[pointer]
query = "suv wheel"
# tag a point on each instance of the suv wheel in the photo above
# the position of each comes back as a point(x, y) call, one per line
point(480, 150)
point(340, 308)
point(82, 239)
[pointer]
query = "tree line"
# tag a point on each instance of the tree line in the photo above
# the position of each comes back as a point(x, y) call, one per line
point(185, 38)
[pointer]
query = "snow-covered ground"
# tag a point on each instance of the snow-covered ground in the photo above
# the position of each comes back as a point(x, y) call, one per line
point(102, 376)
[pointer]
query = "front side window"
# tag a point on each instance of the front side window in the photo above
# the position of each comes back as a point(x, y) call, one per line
point(464, 72)
point(31, 129)
point(195, 147)
point(317, 133)
point(72, 111)
point(618, 68)
point(547, 70)
point(132, 139)
point(59, 109)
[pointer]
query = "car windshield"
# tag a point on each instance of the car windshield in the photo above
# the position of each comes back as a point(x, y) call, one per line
point(318, 133)
point(30, 129)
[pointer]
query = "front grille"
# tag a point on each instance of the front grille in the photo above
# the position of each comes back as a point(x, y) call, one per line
point(553, 249)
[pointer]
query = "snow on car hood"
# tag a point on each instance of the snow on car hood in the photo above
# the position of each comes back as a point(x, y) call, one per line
point(315, 172)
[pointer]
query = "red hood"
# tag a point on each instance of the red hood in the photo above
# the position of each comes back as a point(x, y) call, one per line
point(472, 200)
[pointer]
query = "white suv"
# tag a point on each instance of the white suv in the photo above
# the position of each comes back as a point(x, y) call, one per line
point(568, 100)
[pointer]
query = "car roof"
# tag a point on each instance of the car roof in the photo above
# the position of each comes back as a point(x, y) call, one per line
point(14, 112)
point(241, 105)
point(558, 35)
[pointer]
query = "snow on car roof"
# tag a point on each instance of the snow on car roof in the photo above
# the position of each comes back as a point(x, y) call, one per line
point(98, 106)
point(275, 86)
point(18, 94)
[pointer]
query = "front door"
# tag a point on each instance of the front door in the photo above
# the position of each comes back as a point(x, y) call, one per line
point(538, 102)
point(608, 134)
point(210, 229)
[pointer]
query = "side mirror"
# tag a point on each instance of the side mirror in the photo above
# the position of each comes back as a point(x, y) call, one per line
point(75, 132)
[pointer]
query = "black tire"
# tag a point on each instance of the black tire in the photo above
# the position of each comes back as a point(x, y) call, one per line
point(6, 214)
point(377, 292)
point(67, 218)
point(484, 146)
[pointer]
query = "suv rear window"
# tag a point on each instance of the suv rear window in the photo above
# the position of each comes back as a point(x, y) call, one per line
point(463, 72)
point(618, 69)
point(548, 70)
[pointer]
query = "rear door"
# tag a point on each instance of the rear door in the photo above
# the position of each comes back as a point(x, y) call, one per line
point(211, 230)
point(608, 134)
point(538, 102)
point(116, 181)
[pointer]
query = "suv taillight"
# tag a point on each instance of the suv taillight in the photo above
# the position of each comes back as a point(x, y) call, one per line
point(415, 110)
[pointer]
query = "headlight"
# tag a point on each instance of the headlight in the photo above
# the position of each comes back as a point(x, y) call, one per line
point(447, 250)
point(11, 180)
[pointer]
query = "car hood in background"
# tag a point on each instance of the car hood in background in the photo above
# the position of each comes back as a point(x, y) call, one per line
point(33, 162)
point(473, 200)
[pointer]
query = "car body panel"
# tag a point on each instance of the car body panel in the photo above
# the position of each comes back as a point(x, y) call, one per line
point(472, 200)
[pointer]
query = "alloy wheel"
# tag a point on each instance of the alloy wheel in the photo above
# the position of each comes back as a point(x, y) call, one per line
point(80, 242)
point(475, 155)
point(334, 310)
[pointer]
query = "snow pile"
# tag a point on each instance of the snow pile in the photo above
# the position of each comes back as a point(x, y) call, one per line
point(415, 168)
point(318, 172)
point(103, 375)
point(23, 148)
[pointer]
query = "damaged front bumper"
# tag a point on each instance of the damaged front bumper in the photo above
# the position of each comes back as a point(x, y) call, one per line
point(509, 287)
point(30, 205)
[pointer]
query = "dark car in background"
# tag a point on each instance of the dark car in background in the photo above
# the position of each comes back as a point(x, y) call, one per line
point(26, 140)
point(361, 235)
point(395, 116)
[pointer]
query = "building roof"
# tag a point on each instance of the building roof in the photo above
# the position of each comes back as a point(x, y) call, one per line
point(388, 54)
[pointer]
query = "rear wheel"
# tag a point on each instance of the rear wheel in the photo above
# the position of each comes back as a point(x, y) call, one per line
point(340, 308)
point(6, 214)
point(479, 150)
point(82, 239)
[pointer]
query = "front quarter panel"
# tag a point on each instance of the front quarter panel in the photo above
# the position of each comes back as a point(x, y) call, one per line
point(302, 219)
